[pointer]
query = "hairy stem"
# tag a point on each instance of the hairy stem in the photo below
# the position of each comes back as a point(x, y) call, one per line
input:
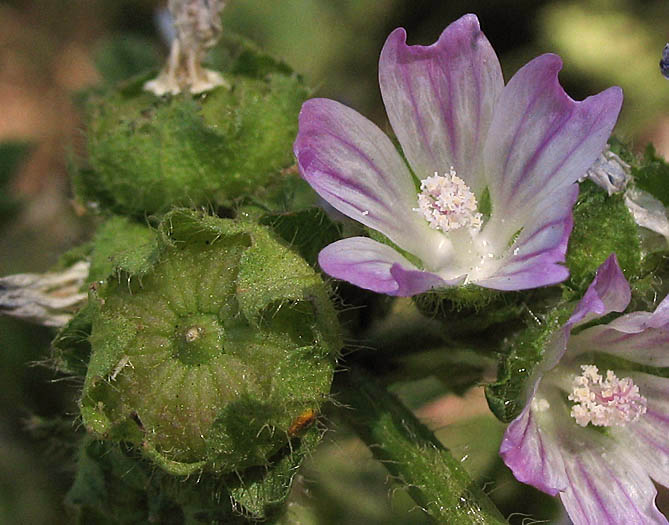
point(411, 453)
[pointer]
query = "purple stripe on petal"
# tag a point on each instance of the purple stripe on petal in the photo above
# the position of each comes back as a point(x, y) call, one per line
point(540, 140)
point(573, 505)
point(608, 292)
point(595, 496)
point(650, 347)
point(607, 485)
point(535, 259)
point(642, 337)
point(640, 321)
point(440, 98)
point(531, 460)
point(524, 279)
point(647, 437)
point(375, 266)
point(354, 166)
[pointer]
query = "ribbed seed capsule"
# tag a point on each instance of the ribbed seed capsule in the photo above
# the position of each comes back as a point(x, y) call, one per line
point(207, 360)
point(148, 154)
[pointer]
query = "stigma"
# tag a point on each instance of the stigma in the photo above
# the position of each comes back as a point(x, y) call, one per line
point(448, 204)
point(605, 402)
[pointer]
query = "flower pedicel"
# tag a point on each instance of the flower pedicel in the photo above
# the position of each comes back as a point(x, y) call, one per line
point(497, 167)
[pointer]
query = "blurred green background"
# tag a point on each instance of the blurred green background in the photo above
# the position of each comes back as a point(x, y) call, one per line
point(48, 52)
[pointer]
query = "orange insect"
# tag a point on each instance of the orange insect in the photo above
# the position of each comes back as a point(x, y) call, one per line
point(303, 421)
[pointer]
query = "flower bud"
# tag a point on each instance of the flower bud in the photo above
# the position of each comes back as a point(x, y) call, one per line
point(215, 357)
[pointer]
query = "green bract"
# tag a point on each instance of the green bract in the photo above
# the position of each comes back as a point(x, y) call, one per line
point(602, 226)
point(215, 357)
point(149, 153)
point(507, 396)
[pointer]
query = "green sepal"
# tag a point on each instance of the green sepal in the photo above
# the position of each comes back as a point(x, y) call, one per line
point(260, 491)
point(306, 231)
point(206, 359)
point(523, 353)
point(290, 280)
point(121, 245)
point(109, 486)
point(470, 309)
point(602, 225)
point(115, 484)
point(147, 154)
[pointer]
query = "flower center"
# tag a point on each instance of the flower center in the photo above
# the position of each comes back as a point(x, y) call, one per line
point(605, 402)
point(448, 204)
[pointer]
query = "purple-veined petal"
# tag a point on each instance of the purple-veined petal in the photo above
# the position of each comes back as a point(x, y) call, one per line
point(607, 485)
point(639, 321)
point(650, 347)
point(608, 292)
point(354, 166)
point(377, 267)
point(530, 445)
point(642, 337)
point(532, 453)
point(440, 98)
point(535, 257)
point(540, 140)
point(600, 480)
point(647, 437)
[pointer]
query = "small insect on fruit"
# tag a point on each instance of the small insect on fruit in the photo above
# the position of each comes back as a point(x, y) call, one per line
point(302, 422)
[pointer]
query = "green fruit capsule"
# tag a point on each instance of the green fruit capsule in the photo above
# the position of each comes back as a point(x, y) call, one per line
point(147, 154)
point(211, 359)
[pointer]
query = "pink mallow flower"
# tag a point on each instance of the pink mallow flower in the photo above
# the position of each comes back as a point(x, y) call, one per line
point(462, 132)
point(597, 435)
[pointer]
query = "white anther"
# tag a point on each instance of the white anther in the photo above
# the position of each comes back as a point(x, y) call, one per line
point(605, 402)
point(448, 204)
